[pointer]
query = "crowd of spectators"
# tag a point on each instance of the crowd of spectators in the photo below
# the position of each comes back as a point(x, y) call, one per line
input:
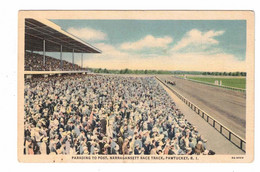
point(105, 115)
point(34, 62)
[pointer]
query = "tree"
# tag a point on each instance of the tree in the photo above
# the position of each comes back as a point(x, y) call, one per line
point(106, 71)
point(125, 71)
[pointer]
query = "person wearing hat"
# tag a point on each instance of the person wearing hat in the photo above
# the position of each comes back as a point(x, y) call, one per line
point(43, 146)
point(204, 142)
point(96, 150)
point(191, 143)
point(120, 143)
point(136, 149)
point(67, 146)
point(199, 148)
point(125, 149)
point(160, 152)
point(28, 141)
point(85, 151)
point(166, 149)
point(147, 147)
point(30, 149)
point(188, 151)
point(153, 150)
point(115, 150)
point(171, 150)
point(53, 148)
point(171, 133)
point(138, 141)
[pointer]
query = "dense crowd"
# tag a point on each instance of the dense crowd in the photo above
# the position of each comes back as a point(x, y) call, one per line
point(105, 115)
point(34, 62)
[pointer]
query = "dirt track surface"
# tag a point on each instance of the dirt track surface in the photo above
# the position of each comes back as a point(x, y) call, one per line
point(216, 141)
point(226, 106)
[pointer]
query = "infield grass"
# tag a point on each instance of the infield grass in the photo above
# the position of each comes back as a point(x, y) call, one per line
point(231, 82)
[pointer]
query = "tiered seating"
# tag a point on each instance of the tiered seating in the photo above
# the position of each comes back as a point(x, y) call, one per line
point(34, 62)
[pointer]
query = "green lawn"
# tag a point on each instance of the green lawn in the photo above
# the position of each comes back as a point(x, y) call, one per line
point(231, 82)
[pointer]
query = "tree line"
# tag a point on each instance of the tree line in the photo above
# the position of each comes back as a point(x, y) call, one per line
point(211, 73)
point(225, 73)
point(129, 71)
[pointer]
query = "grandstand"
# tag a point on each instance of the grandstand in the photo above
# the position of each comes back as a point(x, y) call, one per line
point(41, 35)
point(34, 62)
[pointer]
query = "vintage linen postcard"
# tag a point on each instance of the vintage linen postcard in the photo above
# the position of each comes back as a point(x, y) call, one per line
point(136, 86)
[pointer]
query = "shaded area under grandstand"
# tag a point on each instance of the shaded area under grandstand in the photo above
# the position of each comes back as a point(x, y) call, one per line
point(34, 62)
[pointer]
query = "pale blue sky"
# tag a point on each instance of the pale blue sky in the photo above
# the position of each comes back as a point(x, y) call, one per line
point(187, 42)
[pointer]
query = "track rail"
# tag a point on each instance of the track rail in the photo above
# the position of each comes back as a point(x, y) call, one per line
point(223, 130)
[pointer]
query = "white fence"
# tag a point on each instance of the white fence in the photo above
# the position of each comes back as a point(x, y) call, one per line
point(226, 132)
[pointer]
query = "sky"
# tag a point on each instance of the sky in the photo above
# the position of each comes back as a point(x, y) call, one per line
point(191, 45)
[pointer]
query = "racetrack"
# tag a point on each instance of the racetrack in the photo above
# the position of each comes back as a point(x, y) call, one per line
point(226, 106)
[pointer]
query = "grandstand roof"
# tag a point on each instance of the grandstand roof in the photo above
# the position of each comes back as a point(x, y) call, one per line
point(37, 30)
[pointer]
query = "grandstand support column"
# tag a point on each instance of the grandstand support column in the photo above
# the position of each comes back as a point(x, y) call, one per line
point(73, 59)
point(81, 60)
point(61, 64)
point(44, 53)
